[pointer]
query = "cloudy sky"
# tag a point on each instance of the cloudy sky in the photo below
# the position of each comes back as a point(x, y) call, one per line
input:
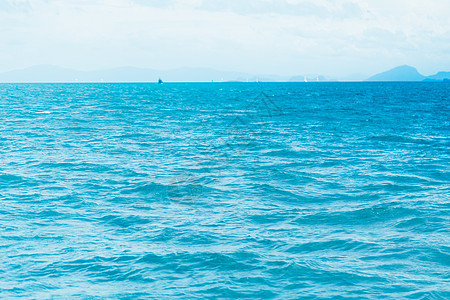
point(284, 37)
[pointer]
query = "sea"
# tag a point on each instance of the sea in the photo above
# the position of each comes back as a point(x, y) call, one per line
point(225, 191)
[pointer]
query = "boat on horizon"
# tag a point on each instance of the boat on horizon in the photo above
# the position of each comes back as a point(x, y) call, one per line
point(160, 81)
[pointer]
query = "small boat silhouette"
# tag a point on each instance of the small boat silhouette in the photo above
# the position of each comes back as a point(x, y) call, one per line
point(160, 81)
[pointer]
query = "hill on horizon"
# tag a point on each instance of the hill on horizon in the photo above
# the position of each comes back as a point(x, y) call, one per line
point(50, 73)
point(440, 76)
point(56, 74)
point(401, 73)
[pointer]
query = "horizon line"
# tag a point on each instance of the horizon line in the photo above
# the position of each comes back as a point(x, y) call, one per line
point(221, 82)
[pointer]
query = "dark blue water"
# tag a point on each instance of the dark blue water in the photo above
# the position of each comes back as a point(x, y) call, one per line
point(225, 191)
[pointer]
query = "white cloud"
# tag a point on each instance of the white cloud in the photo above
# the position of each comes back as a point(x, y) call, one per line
point(273, 36)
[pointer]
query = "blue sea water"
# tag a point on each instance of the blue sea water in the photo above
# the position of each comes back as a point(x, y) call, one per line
point(225, 191)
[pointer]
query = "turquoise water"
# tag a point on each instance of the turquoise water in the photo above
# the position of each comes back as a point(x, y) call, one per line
point(225, 191)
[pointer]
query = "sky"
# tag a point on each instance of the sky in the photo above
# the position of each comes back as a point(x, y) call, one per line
point(280, 37)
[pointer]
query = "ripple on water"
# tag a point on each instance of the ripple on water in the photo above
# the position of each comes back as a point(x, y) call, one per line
point(180, 191)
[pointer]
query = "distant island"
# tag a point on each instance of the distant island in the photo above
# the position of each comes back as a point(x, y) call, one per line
point(407, 73)
point(50, 73)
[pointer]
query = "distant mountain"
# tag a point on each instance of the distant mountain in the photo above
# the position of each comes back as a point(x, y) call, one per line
point(49, 73)
point(401, 73)
point(440, 76)
point(42, 73)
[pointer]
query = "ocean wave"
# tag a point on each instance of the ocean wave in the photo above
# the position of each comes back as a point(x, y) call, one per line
point(184, 191)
